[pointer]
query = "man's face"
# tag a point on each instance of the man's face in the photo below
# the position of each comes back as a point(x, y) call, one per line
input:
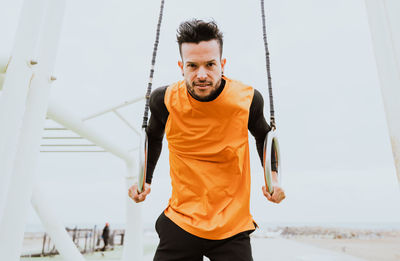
point(202, 68)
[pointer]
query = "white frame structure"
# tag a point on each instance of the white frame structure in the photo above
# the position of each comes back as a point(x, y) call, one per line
point(26, 80)
point(384, 22)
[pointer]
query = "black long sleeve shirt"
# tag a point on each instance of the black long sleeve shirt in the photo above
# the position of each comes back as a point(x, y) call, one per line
point(257, 126)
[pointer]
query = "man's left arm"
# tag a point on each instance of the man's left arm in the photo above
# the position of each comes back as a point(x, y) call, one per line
point(259, 128)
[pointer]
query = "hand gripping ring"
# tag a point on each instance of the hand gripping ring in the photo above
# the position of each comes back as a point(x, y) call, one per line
point(142, 161)
point(271, 140)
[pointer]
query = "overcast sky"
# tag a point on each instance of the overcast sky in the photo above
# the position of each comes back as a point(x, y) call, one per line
point(337, 161)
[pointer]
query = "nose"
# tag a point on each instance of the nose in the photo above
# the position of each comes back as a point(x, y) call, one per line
point(202, 73)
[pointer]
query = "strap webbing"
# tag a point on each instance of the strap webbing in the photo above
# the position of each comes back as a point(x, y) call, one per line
point(153, 62)
point(271, 100)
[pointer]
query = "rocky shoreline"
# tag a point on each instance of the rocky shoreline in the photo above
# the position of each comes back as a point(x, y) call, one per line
point(327, 233)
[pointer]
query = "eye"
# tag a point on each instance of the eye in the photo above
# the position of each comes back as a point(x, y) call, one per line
point(191, 65)
point(210, 64)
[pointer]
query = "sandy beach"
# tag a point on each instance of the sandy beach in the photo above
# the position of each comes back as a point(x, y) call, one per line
point(382, 249)
point(368, 244)
point(265, 249)
point(281, 243)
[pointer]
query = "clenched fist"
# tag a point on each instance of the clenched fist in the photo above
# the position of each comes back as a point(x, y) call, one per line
point(277, 195)
point(136, 196)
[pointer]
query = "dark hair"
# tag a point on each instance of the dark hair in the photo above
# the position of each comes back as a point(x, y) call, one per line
point(195, 31)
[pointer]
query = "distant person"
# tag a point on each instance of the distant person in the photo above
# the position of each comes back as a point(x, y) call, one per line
point(105, 235)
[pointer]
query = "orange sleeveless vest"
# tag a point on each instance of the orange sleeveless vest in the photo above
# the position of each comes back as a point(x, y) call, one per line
point(209, 161)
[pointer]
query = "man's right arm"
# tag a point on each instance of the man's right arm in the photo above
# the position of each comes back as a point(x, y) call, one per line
point(155, 129)
point(155, 133)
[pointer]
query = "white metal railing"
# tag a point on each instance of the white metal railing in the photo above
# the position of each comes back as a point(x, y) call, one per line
point(113, 109)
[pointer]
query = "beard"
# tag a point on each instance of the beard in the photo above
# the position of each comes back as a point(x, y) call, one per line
point(191, 89)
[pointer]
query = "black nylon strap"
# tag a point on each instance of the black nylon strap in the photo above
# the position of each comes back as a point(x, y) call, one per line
point(271, 100)
point(153, 62)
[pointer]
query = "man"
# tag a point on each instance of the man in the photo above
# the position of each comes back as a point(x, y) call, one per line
point(105, 235)
point(206, 118)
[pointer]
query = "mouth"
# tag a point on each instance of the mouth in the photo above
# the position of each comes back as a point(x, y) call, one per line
point(202, 86)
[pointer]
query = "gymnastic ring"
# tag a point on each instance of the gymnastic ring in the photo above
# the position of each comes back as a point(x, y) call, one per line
point(271, 140)
point(143, 146)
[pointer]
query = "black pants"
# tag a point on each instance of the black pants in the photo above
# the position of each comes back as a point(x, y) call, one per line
point(105, 243)
point(178, 245)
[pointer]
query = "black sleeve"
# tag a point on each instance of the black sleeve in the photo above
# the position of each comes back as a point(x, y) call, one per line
point(259, 127)
point(155, 129)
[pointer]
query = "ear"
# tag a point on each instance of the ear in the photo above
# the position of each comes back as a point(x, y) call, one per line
point(180, 64)
point(223, 62)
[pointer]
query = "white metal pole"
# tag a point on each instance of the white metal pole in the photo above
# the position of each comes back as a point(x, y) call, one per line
point(74, 123)
point(12, 224)
point(114, 108)
point(133, 242)
point(55, 228)
point(2, 77)
point(384, 22)
point(3, 69)
point(3, 64)
point(15, 88)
